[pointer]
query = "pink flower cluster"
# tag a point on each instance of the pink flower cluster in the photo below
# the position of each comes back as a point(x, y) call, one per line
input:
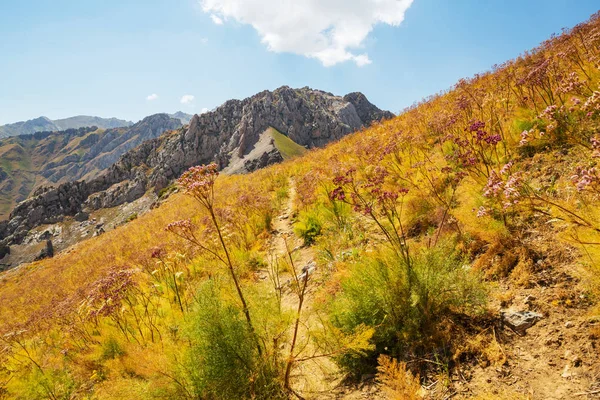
point(570, 84)
point(365, 195)
point(595, 141)
point(199, 181)
point(181, 226)
point(584, 178)
point(477, 127)
point(108, 293)
point(592, 104)
point(508, 192)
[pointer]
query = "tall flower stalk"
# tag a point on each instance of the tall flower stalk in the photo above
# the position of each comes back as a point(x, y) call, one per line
point(199, 182)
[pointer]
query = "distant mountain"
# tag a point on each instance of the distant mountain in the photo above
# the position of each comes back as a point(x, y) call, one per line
point(51, 158)
point(240, 136)
point(183, 117)
point(80, 121)
point(44, 124)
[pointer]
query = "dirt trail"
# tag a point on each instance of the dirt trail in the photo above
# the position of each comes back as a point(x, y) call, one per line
point(559, 357)
point(318, 378)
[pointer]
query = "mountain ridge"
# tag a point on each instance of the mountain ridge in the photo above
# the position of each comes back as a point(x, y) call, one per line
point(309, 118)
point(42, 124)
point(51, 158)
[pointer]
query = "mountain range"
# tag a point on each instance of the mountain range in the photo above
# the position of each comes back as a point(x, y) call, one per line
point(45, 124)
point(60, 174)
point(50, 158)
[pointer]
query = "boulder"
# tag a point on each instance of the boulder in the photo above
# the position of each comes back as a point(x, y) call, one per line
point(81, 216)
point(520, 321)
point(47, 252)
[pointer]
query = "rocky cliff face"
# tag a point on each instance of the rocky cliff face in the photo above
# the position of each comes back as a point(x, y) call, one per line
point(310, 118)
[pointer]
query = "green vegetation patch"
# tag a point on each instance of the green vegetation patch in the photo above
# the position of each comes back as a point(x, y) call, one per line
point(286, 146)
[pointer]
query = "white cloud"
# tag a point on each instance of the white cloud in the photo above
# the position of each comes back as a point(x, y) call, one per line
point(328, 30)
point(204, 40)
point(151, 97)
point(204, 110)
point(187, 99)
point(216, 20)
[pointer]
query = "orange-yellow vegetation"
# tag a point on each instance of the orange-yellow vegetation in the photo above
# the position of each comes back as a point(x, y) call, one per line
point(484, 162)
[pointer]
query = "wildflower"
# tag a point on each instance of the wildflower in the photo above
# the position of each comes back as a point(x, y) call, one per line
point(199, 182)
point(511, 190)
point(493, 186)
point(157, 252)
point(506, 168)
point(524, 138)
point(180, 226)
point(584, 177)
point(482, 212)
point(338, 194)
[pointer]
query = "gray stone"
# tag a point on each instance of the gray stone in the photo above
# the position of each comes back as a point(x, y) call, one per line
point(520, 321)
point(82, 216)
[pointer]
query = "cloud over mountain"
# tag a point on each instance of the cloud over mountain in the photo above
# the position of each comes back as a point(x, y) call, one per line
point(332, 31)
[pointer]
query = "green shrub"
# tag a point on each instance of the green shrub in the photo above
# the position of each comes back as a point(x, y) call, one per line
point(132, 217)
point(223, 361)
point(308, 227)
point(111, 349)
point(405, 305)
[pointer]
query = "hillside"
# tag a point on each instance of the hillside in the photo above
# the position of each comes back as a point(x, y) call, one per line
point(450, 252)
point(43, 124)
point(231, 134)
point(51, 158)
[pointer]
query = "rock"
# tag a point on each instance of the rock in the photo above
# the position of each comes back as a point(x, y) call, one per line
point(569, 324)
point(520, 321)
point(271, 157)
point(4, 250)
point(47, 252)
point(45, 236)
point(82, 216)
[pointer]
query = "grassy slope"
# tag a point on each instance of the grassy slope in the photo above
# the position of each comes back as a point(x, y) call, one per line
point(23, 160)
point(286, 146)
point(511, 246)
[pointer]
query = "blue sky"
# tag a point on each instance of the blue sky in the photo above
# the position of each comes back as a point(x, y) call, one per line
point(69, 57)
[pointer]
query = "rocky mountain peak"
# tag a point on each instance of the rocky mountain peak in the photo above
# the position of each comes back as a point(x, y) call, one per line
point(239, 136)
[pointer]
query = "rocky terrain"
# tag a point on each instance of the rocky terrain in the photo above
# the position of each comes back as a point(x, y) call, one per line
point(47, 158)
point(306, 118)
point(42, 124)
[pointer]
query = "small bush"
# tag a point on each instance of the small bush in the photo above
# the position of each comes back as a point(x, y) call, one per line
point(112, 349)
point(308, 227)
point(223, 361)
point(406, 306)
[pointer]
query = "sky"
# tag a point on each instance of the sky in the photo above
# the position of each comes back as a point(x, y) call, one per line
point(133, 58)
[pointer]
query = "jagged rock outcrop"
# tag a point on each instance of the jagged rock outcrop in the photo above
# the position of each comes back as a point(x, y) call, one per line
point(310, 118)
point(270, 157)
